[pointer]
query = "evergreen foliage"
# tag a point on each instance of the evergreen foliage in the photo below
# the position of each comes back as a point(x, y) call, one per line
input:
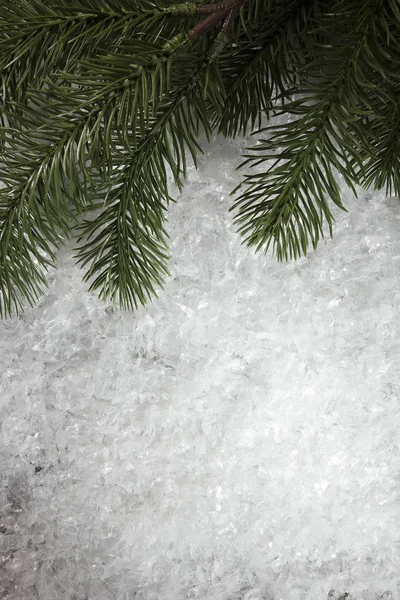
point(101, 98)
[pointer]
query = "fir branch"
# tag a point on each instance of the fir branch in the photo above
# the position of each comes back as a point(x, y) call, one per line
point(380, 125)
point(35, 214)
point(126, 244)
point(287, 205)
point(47, 170)
point(95, 115)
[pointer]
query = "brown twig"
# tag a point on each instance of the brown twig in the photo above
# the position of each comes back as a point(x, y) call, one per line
point(228, 22)
point(206, 25)
point(209, 9)
point(221, 12)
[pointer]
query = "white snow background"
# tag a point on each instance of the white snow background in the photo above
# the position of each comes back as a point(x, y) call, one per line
point(236, 439)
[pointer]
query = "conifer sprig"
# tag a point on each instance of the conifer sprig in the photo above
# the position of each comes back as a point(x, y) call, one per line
point(287, 205)
point(125, 244)
point(102, 100)
point(107, 129)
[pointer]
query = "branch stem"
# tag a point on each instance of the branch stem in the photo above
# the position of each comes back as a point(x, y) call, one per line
point(221, 12)
point(209, 9)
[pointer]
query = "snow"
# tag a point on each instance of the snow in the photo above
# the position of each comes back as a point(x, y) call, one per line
point(237, 439)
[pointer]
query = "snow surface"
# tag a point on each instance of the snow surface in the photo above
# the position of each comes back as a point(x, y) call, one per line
point(237, 439)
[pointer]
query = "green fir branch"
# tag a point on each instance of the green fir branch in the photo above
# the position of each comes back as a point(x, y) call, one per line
point(287, 205)
point(380, 127)
point(125, 244)
point(47, 158)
